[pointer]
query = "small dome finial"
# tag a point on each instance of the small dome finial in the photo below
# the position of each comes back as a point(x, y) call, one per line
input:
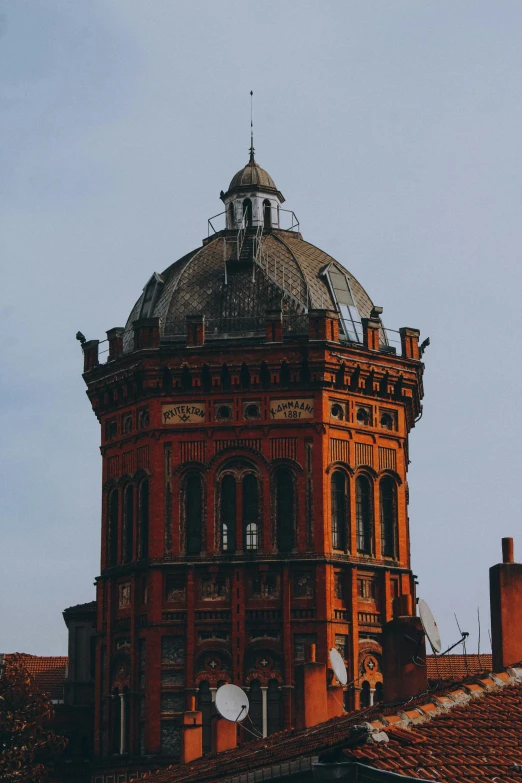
point(252, 127)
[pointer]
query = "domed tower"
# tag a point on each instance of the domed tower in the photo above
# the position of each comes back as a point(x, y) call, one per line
point(254, 419)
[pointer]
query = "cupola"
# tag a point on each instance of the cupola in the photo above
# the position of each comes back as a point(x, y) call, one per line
point(252, 198)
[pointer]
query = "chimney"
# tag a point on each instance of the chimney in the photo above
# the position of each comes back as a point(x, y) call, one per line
point(146, 333)
point(195, 330)
point(335, 699)
point(310, 691)
point(224, 734)
point(274, 326)
point(505, 598)
point(115, 338)
point(90, 355)
point(372, 329)
point(404, 653)
point(323, 325)
point(192, 733)
point(410, 342)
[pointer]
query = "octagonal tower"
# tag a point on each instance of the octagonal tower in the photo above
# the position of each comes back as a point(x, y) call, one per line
point(254, 420)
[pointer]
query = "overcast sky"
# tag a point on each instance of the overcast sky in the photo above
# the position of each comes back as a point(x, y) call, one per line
point(393, 130)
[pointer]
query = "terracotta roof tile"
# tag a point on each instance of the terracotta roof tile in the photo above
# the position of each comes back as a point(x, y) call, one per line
point(466, 733)
point(452, 667)
point(49, 672)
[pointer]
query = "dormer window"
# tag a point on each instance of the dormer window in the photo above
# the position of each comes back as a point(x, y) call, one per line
point(340, 290)
point(151, 294)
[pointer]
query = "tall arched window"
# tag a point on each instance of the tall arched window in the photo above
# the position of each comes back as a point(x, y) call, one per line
point(364, 512)
point(339, 508)
point(205, 707)
point(285, 510)
point(244, 376)
point(256, 706)
point(267, 215)
point(112, 528)
point(247, 211)
point(365, 694)
point(228, 514)
point(264, 376)
point(250, 513)
point(193, 514)
point(231, 214)
point(143, 511)
point(284, 374)
point(273, 707)
point(128, 523)
point(388, 495)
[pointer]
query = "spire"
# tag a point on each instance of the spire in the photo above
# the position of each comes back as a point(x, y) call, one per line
point(252, 161)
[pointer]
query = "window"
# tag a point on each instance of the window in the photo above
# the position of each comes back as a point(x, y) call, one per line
point(264, 376)
point(284, 375)
point(339, 508)
point(231, 214)
point(247, 212)
point(112, 529)
point(267, 215)
point(128, 523)
point(255, 712)
point(341, 293)
point(194, 514)
point(285, 510)
point(388, 496)
point(250, 512)
point(364, 511)
point(364, 416)
point(151, 293)
point(244, 377)
point(387, 421)
point(111, 429)
point(143, 508)
point(365, 694)
point(228, 514)
point(273, 707)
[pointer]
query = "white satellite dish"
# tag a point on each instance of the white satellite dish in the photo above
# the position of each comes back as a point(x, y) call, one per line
point(430, 626)
point(338, 666)
point(232, 703)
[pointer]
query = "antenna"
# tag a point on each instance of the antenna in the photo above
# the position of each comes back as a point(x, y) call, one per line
point(251, 126)
point(232, 703)
point(337, 664)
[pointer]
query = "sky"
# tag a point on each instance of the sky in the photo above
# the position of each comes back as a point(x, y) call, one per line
point(393, 130)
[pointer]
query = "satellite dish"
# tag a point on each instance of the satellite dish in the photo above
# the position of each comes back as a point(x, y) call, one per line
point(232, 703)
point(430, 626)
point(338, 666)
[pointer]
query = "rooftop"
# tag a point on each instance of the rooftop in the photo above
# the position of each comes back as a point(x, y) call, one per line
point(466, 732)
point(48, 671)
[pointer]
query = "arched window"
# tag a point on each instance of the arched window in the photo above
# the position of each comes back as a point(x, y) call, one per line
point(388, 495)
point(365, 694)
point(267, 215)
point(285, 510)
point(225, 378)
point(256, 706)
point(228, 514)
point(128, 523)
point(264, 376)
point(186, 378)
point(339, 509)
point(112, 529)
point(194, 514)
point(273, 707)
point(206, 378)
point(250, 513)
point(247, 211)
point(231, 214)
point(143, 510)
point(364, 512)
point(205, 707)
point(244, 376)
point(378, 692)
point(284, 374)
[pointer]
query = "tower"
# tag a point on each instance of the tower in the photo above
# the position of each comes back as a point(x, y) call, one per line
point(254, 419)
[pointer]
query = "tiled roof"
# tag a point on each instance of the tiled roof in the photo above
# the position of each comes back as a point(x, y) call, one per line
point(194, 285)
point(455, 667)
point(469, 732)
point(49, 672)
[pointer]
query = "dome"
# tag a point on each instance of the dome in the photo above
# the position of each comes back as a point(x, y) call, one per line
point(252, 175)
point(290, 275)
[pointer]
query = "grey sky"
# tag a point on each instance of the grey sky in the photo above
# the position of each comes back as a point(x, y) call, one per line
point(393, 130)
